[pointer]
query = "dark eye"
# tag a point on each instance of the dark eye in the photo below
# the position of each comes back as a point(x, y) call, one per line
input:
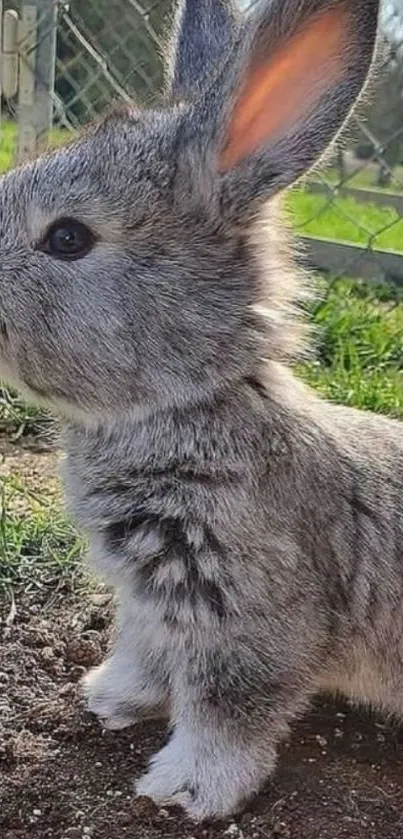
point(68, 239)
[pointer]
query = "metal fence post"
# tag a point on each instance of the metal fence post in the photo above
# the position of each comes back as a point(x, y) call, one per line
point(37, 47)
point(8, 53)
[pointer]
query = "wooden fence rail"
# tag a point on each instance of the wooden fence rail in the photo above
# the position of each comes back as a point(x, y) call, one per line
point(340, 258)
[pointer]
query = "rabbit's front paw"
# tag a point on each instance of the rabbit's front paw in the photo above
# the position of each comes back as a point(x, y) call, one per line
point(207, 782)
point(116, 697)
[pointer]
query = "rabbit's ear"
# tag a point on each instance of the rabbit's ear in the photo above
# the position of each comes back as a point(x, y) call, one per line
point(297, 79)
point(203, 30)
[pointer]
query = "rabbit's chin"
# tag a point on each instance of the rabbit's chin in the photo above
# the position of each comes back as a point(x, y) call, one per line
point(91, 417)
point(121, 415)
point(100, 417)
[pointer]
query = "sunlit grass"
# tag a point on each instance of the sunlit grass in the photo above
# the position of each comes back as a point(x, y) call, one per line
point(345, 220)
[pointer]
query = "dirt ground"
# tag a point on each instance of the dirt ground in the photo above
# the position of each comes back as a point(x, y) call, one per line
point(62, 777)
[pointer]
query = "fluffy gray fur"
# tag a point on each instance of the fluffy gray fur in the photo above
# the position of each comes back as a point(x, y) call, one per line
point(253, 533)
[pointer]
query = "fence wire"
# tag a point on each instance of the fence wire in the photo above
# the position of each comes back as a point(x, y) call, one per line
point(76, 58)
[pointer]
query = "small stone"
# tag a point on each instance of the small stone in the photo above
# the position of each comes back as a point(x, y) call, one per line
point(67, 689)
point(47, 654)
point(100, 599)
point(83, 652)
point(280, 829)
point(234, 832)
point(37, 812)
point(321, 740)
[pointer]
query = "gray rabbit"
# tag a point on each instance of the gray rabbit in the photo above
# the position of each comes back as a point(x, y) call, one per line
point(253, 533)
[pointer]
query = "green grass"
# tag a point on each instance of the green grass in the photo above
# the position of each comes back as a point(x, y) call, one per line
point(359, 358)
point(8, 139)
point(8, 142)
point(18, 419)
point(345, 219)
point(39, 549)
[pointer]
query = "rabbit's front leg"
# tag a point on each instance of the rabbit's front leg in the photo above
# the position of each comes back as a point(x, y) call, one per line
point(228, 721)
point(131, 683)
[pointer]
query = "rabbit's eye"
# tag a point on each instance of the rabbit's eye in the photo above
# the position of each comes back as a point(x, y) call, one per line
point(68, 239)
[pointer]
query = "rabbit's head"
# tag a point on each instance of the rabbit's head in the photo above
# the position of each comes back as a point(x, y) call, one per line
point(129, 264)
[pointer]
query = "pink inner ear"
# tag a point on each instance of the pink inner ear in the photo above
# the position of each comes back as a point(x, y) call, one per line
point(279, 90)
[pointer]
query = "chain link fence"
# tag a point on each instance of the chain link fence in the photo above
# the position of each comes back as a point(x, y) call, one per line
point(71, 60)
point(64, 62)
point(107, 50)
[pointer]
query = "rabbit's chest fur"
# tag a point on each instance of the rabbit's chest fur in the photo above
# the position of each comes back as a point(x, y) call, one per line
point(253, 515)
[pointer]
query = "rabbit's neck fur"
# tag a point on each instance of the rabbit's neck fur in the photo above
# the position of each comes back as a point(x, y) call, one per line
point(280, 287)
point(182, 461)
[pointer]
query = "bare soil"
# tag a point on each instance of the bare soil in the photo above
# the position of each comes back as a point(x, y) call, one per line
point(61, 777)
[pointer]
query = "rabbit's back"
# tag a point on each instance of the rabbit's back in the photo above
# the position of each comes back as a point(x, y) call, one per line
point(357, 528)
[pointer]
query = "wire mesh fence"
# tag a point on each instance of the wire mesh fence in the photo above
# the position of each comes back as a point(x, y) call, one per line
point(80, 56)
point(107, 50)
point(64, 62)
